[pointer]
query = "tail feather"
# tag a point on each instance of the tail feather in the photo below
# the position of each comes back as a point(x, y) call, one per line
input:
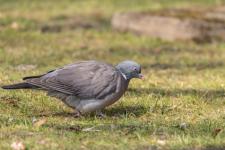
point(38, 76)
point(31, 77)
point(23, 85)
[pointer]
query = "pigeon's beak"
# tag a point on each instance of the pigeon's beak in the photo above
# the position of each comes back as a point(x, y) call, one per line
point(140, 76)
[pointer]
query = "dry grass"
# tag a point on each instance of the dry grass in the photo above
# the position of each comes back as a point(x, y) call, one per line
point(180, 105)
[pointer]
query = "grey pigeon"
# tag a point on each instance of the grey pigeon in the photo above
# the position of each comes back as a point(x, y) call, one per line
point(85, 86)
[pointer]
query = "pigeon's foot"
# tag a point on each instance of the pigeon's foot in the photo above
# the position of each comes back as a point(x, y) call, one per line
point(77, 114)
point(99, 114)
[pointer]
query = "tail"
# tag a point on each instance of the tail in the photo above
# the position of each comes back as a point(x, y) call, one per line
point(23, 85)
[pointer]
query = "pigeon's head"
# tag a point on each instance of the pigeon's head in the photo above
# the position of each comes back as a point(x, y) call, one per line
point(130, 69)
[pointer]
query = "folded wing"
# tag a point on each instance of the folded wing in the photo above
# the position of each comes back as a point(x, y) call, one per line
point(87, 79)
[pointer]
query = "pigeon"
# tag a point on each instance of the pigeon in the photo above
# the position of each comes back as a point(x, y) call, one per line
point(85, 86)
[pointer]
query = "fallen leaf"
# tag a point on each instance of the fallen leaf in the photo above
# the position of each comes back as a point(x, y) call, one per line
point(2, 15)
point(39, 122)
point(216, 132)
point(90, 129)
point(14, 25)
point(17, 146)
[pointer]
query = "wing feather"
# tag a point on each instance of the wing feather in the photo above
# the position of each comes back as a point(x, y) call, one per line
point(87, 79)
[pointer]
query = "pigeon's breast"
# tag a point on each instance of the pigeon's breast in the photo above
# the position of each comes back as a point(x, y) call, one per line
point(122, 86)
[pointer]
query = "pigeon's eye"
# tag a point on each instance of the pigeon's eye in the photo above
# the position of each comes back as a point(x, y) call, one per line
point(135, 69)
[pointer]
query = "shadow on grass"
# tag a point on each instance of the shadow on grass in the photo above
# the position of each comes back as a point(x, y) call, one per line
point(197, 66)
point(74, 128)
point(125, 128)
point(207, 148)
point(200, 93)
point(137, 110)
point(57, 114)
point(119, 111)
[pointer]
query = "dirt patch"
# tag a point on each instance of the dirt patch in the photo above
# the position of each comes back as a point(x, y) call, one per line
point(201, 25)
point(62, 23)
point(10, 101)
point(68, 128)
point(25, 67)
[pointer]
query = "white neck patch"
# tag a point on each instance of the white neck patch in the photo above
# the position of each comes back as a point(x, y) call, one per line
point(124, 76)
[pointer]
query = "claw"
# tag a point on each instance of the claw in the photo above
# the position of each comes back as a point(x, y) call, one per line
point(99, 114)
point(77, 114)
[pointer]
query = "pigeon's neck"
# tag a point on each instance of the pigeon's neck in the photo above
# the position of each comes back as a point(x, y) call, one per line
point(123, 74)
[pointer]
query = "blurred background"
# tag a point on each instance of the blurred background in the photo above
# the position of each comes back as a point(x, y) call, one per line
point(152, 32)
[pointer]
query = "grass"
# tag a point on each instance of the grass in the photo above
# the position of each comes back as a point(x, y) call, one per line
point(180, 105)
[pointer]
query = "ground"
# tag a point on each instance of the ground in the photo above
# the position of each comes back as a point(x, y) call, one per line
point(179, 105)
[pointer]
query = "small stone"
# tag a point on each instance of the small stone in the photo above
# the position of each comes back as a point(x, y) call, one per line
point(183, 126)
point(161, 142)
point(17, 146)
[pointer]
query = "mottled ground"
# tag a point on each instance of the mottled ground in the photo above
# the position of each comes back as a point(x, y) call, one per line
point(180, 105)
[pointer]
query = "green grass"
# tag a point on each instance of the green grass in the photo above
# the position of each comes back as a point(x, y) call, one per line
point(185, 81)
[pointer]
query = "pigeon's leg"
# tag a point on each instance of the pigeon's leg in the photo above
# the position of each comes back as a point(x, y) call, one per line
point(77, 114)
point(69, 100)
point(92, 105)
point(81, 106)
point(100, 114)
point(85, 106)
point(73, 102)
